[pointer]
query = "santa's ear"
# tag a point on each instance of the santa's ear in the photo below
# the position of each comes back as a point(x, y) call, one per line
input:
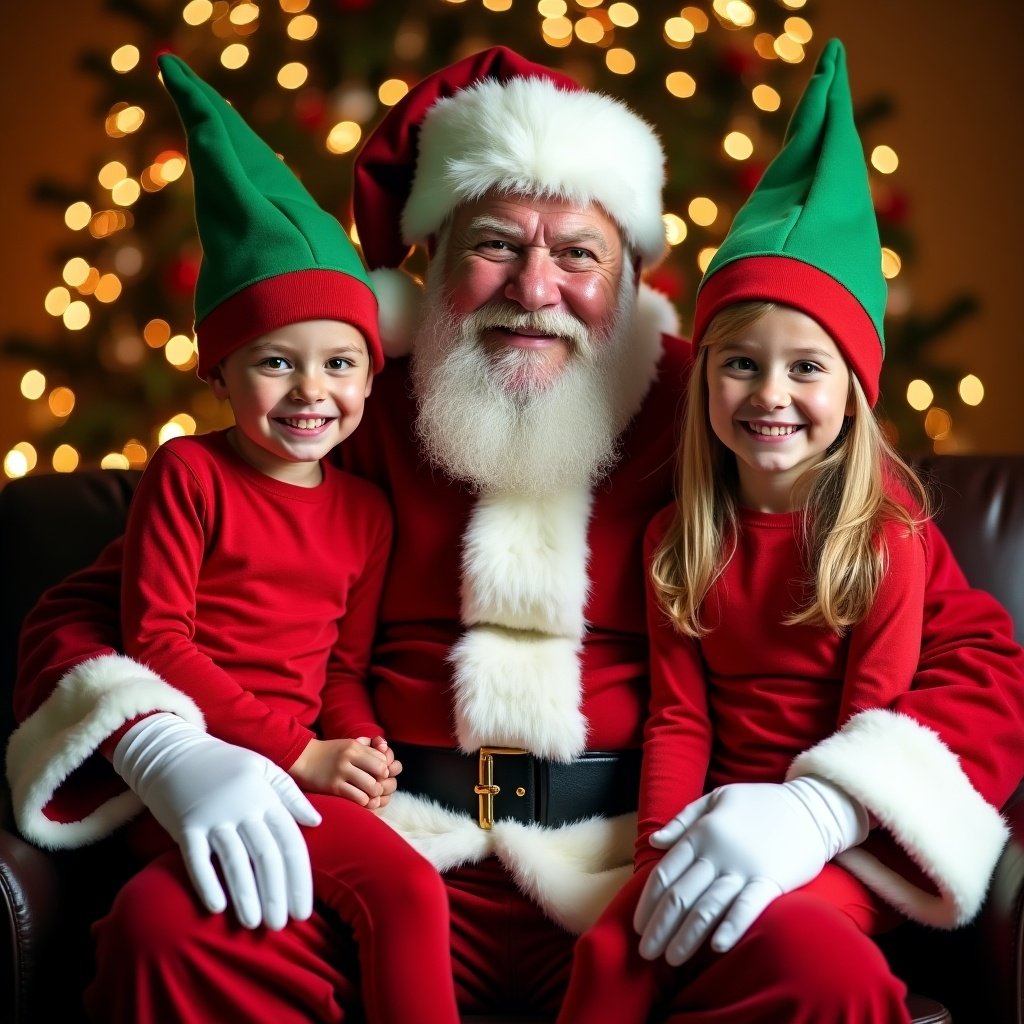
point(399, 302)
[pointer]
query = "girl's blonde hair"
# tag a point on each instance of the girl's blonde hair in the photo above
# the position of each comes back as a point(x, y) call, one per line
point(848, 495)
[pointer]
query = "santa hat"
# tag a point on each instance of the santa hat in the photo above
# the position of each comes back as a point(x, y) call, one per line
point(498, 121)
point(807, 235)
point(271, 255)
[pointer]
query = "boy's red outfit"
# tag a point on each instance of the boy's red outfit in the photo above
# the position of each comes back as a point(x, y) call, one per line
point(261, 596)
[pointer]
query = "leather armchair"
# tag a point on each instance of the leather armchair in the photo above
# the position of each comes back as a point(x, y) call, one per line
point(52, 524)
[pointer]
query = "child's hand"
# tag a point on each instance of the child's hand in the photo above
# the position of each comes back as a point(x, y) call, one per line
point(394, 768)
point(355, 768)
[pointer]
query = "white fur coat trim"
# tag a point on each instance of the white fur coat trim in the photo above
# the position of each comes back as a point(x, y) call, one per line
point(528, 136)
point(87, 705)
point(524, 563)
point(913, 784)
point(572, 873)
point(518, 689)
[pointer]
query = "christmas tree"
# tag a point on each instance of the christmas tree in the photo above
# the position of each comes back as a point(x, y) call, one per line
point(313, 77)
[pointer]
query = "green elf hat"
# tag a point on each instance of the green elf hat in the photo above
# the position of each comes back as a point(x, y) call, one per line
point(271, 255)
point(807, 236)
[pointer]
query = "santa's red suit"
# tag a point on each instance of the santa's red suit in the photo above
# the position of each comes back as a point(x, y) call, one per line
point(513, 621)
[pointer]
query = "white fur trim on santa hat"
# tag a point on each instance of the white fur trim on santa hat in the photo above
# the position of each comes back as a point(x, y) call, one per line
point(528, 136)
point(572, 873)
point(913, 784)
point(88, 704)
point(515, 688)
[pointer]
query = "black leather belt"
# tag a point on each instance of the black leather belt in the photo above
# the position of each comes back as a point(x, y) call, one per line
point(507, 783)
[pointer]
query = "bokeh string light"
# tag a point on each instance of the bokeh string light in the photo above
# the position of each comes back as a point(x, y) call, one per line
point(320, 75)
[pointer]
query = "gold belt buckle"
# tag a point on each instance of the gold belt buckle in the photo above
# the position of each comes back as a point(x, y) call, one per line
point(486, 788)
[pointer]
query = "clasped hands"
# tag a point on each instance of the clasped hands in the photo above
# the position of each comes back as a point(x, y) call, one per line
point(215, 798)
point(733, 851)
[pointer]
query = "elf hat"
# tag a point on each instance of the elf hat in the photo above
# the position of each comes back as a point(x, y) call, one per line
point(807, 235)
point(498, 121)
point(271, 255)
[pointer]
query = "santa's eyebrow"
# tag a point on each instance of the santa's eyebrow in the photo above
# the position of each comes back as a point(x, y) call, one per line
point(589, 237)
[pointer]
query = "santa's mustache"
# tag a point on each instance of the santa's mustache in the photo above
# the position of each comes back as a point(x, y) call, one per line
point(510, 316)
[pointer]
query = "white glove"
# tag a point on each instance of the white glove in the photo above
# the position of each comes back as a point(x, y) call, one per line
point(732, 852)
point(217, 798)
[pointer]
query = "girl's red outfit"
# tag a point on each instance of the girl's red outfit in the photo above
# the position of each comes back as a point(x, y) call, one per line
point(772, 691)
point(262, 597)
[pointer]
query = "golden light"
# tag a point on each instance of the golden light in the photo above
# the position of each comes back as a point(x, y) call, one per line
point(61, 401)
point(391, 91)
point(15, 465)
point(764, 46)
point(675, 228)
point(410, 41)
point(292, 75)
point(937, 423)
point(177, 426)
point(28, 453)
point(556, 28)
point(587, 4)
point(197, 11)
point(186, 422)
point(172, 168)
point(891, 263)
point(128, 260)
point(234, 55)
point(696, 17)
point(741, 14)
point(114, 460)
point(884, 159)
point(702, 211)
point(76, 316)
point(620, 61)
point(589, 30)
point(57, 300)
point(77, 216)
point(179, 350)
point(738, 146)
point(92, 279)
point(972, 391)
point(788, 49)
point(552, 8)
point(110, 174)
point(124, 58)
point(354, 235)
point(293, 6)
point(623, 15)
point(130, 119)
point(680, 84)
point(765, 98)
point(244, 14)
point(108, 288)
point(303, 27)
point(33, 384)
point(679, 31)
point(169, 430)
point(497, 5)
point(135, 453)
point(65, 459)
point(344, 137)
point(156, 333)
point(793, 5)
point(799, 29)
point(919, 395)
point(705, 256)
point(126, 192)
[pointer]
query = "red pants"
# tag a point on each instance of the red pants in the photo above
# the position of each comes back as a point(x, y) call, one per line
point(162, 958)
point(807, 960)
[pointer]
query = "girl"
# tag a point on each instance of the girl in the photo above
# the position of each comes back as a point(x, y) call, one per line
point(785, 599)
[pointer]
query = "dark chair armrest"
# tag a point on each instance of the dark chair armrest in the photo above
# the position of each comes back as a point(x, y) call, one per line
point(1000, 926)
point(29, 889)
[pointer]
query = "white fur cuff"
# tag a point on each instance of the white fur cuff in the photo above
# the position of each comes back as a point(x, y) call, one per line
point(903, 773)
point(88, 704)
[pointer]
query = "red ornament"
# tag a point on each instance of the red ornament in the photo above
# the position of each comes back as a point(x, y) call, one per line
point(892, 205)
point(748, 175)
point(736, 62)
point(181, 274)
point(311, 110)
point(668, 279)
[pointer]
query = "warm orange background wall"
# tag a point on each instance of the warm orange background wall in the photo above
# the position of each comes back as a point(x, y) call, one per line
point(954, 69)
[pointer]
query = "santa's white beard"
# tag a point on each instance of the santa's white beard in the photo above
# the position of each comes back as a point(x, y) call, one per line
point(501, 423)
